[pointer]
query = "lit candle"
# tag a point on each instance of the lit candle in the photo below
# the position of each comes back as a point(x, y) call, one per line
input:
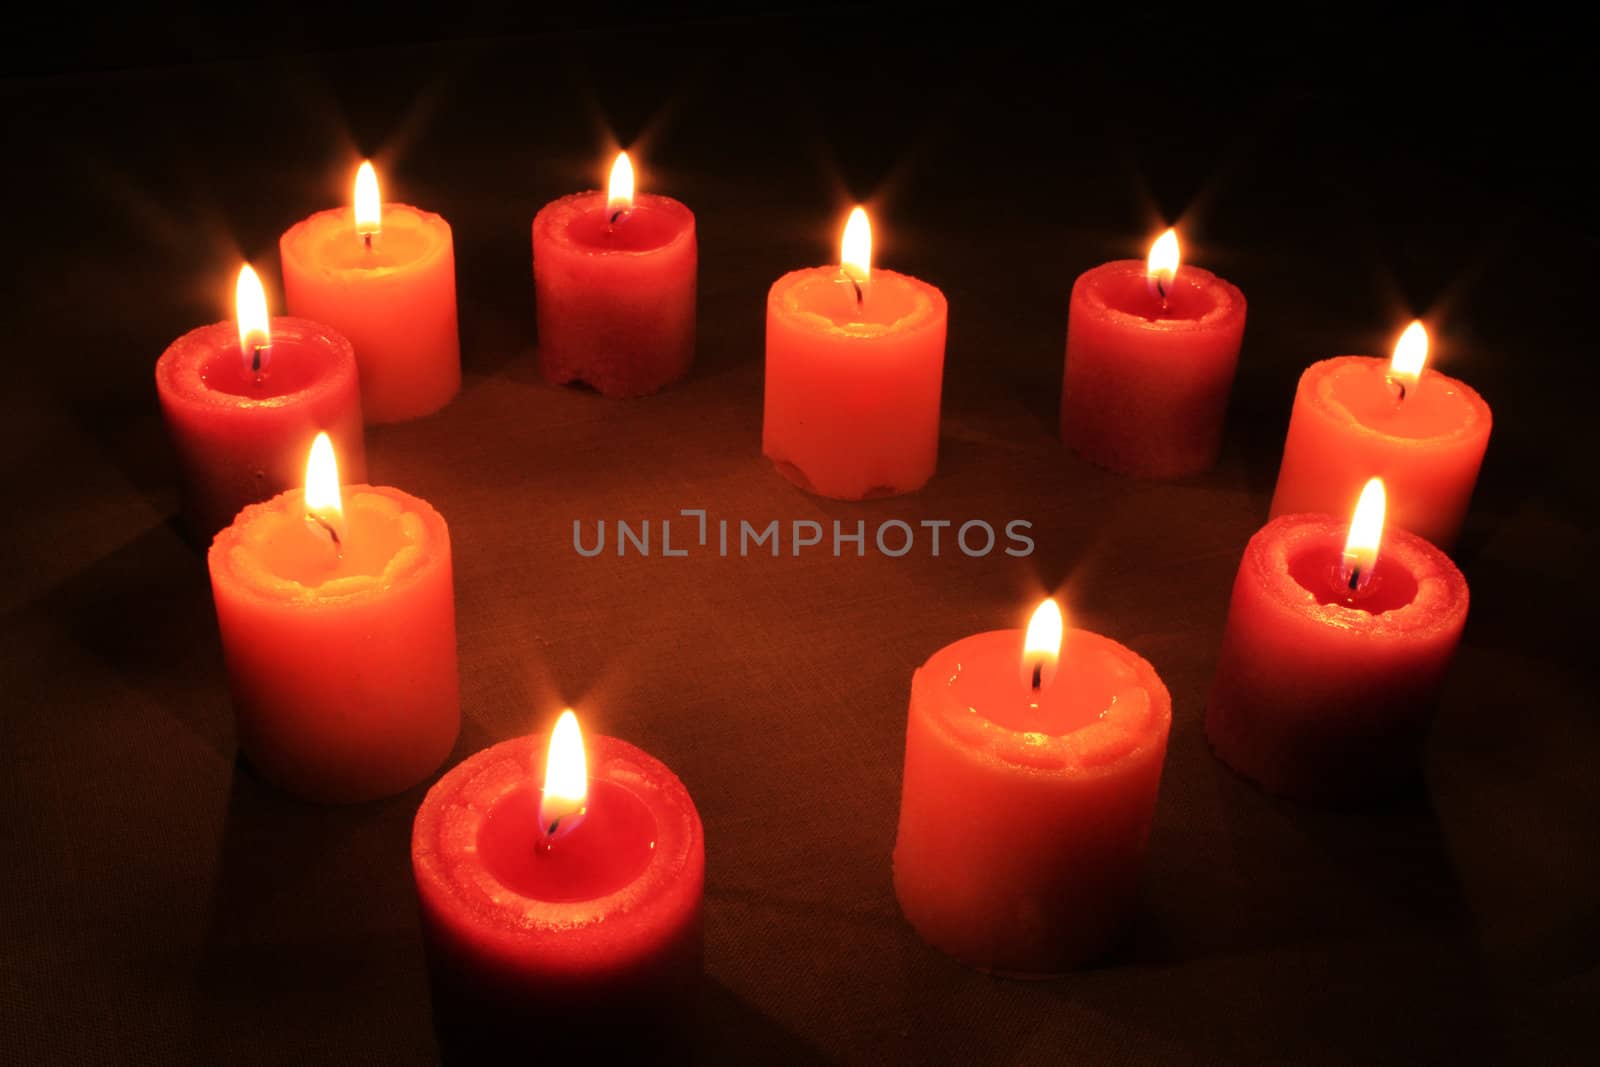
point(337, 612)
point(614, 278)
point(1355, 417)
point(1151, 352)
point(242, 401)
point(855, 362)
point(560, 883)
point(1032, 765)
point(1336, 643)
point(385, 276)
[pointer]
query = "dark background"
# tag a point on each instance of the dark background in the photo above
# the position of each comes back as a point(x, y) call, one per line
point(161, 904)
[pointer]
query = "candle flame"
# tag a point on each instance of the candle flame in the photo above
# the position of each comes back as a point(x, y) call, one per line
point(324, 503)
point(855, 250)
point(1410, 353)
point(1162, 265)
point(1041, 647)
point(1366, 533)
point(255, 330)
point(566, 780)
point(369, 206)
point(619, 191)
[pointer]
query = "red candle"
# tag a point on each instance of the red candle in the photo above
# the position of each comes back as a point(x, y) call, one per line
point(244, 400)
point(1333, 654)
point(614, 283)
point(855, 361)
point(1029, 789)
point(337, 614)
point(384, 275)
point(1151, 351)
point(1356, 417)
point(559, 887)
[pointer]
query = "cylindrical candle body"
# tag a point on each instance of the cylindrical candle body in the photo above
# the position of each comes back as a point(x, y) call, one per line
point(1349, 424)
point(1146, 386)
point(395, 300)
point(241, 438)
point(602, 928)
point(1023, 818)
point(852, 390)
point(615, 301)
point(1324, 694)
point(342, 665)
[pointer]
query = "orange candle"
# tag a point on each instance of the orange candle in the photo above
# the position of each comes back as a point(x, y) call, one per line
point(1357, 418)
point(384, 275)
point(1032, 764)
point(337, 614)
point(855, 362)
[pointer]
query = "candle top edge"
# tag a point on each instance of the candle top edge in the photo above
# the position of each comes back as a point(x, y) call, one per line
point(180, 370)
point(1135, 723)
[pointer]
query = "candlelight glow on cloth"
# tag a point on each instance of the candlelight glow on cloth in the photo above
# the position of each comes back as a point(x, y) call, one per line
point(619, 190)
point(1410, 353)
point(255, 333)
point(1162, 265)
point(855, 251)
point(369, 205)
point(1041, 646)
point(1366, 533)
point(565, 798)
point(324, 503)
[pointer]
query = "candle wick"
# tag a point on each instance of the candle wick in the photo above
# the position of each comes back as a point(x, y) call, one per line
point(1355, 579)
point(855, 283)
point(569, 819)
point(332, 532)
point(1399, 386)
point(1161, 290)
point(366, 239)
point(1038, 676)
point(256, 359)
point(549, 842)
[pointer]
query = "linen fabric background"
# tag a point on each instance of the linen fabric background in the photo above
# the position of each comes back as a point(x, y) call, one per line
point(160, 904)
